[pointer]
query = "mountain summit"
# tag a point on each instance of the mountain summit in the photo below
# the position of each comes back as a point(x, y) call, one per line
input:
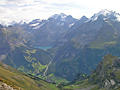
point(106, 14)
point(61, 15)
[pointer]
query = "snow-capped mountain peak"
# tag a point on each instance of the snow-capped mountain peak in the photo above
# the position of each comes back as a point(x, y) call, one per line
point(106, 14)
point(83, 18)
point(61, 16)
point(35, 21)
point(36, 24)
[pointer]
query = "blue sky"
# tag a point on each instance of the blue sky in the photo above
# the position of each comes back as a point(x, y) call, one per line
point(17, 10)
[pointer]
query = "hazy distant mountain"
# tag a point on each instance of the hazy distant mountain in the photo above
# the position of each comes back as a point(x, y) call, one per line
point(46, 32)
point(4, 45)
point(82, 20)
point(87, 44)
point(87, 32)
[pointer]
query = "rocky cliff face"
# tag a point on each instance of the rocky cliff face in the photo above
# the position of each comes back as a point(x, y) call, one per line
point(107, 74)
point(105, 77)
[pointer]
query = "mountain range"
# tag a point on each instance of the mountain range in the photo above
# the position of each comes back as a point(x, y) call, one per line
point(61, 47)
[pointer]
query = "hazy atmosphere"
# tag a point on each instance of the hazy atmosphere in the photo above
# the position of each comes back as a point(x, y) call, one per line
point(17, 10)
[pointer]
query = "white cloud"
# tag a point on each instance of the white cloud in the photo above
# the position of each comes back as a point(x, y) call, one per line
point(30, 9)
point(19, 2)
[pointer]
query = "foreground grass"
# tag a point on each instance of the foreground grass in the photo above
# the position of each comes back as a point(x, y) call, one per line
point(19, 81)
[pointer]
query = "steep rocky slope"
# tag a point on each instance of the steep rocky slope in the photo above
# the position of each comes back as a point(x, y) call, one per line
point(105, 77)
point(107, 74)
point(47, 32)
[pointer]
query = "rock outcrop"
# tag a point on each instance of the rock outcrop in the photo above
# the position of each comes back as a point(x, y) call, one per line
point(107, 74)
point(4, 86)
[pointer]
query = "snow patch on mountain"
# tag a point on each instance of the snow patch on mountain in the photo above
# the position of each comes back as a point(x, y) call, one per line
point(35, 24)
point(38, 26)
point(62, 16)
point(70, 25)
point(118, 17)
point(60, 24)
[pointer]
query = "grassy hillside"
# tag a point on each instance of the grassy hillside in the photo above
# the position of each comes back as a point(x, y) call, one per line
point(29, 60)
point(21, 81)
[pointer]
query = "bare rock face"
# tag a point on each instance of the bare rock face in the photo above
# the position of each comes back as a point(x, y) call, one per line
point(109, 83)
point(107, 73)
point(4, 86)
